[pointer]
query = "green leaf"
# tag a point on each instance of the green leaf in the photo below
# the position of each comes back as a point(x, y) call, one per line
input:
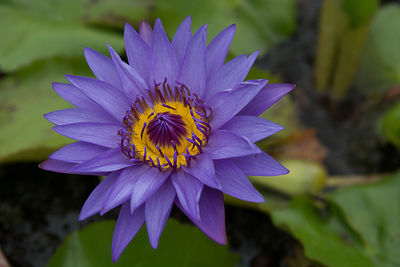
point(361, 225)
point(373, 211)
point(390, 125)
point(260, 23)
point(360, 13)
point(380, 63)
point(24, 97)
point(180, 245)
point(45, 29)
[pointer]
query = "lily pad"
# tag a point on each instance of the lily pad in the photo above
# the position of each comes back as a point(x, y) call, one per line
point(24, 97)
point(44, 29)
point(390, 126)
point(180, 245)
point(359, 226)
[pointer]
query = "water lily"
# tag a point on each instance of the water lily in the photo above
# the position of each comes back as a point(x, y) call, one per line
point(177, 125)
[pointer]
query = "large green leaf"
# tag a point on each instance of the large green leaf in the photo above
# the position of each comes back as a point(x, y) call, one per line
point(260, 23)
point(44, 29)
point(180, 245)
point(24, 97)
point(380, 64)
point(373, 211)
point(359, 227)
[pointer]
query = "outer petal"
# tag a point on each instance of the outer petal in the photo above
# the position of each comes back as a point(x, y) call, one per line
point(75, 115)
point(163, 61)
point(212, 213)
point(181, 39)
point(252, 127)
point(122, 189)
point(230, 74)
point(188, 190)
point(111, 160)
point(224, 144)
point(203, 169)
point(77, 152)
point(150, 181)
point(235, 183)
point(270, 94)
point(260, 164)
point(131, 81)
point(218, 49)
point(193, 69)
point(157, 210)
point(145, 31)
point(228, 103)
point(74, 96)
point(137, 51)
point(95, 201)
point(127, 227)
point(64, 167)
point(103, 134)
point(102, 67)
point(107, 96)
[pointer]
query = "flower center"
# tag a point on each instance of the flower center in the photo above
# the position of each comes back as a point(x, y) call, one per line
point(168, 129)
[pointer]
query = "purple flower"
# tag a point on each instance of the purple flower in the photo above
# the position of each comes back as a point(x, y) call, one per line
point(176, 125)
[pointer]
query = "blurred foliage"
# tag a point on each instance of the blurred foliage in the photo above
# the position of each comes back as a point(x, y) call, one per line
point(180, 245)
point(24, 97)
point(358, 225)
point(260, 23)
point(359, 13)
point(390, 125)
point(380, 64)
point(343, 29)
point(43, 29)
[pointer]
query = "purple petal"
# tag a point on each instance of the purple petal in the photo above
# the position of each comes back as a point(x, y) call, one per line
point(95, 201)
point(107, 96)
point(122, 189)
point(203, 169)
point(193, 69)
point(102, 67)
point(188, 190)
point(235, 183)
point(229, 75)
point(150, 181)
point(145, 31)
point(252, 127)
point(181, 39)
point(212, 214)
point(109, 161)
point(137, 51)
point(163, 61)
point(75, 115)
point(157, 210)
point(224, 144)
point(127, 227)
point(228, 103)
point(64, 167)
point(78, 152)
point(218, 49)
point(260, 164)
point(270, 94)
point(132, 82)
point(103, 134)
point(74, 96)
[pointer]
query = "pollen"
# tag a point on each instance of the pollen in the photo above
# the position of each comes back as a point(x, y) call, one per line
point(167, 128)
